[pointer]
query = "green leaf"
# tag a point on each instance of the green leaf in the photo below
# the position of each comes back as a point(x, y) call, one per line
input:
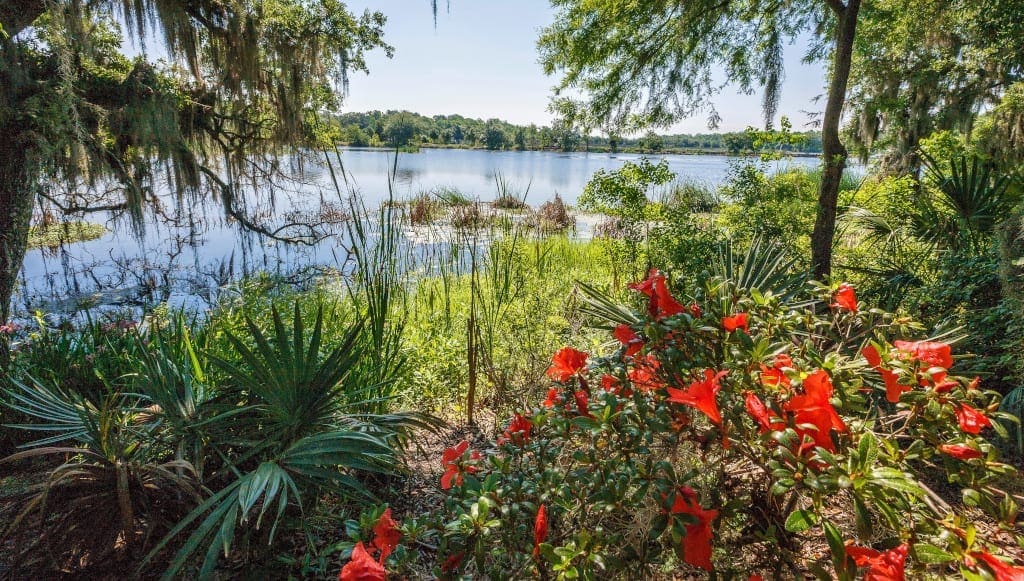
point(799, 521)
point(931, 555)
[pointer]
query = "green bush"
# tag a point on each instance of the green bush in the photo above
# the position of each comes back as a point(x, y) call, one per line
point(726, 437)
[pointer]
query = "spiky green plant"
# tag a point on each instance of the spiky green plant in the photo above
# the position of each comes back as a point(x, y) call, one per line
point(113, 487)
point(973, 200)
point(298, 442)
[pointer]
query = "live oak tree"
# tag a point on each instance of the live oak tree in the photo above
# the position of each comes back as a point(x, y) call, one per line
point(79, 119)
point(650, 63)
point(930, 65)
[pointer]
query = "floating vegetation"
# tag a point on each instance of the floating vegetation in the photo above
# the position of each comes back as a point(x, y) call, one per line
point(54, 234)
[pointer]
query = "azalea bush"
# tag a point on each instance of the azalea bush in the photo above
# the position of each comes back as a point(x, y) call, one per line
point(730, 435)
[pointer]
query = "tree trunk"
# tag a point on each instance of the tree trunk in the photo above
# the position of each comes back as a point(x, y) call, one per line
point(17, 179)
point(834, 154)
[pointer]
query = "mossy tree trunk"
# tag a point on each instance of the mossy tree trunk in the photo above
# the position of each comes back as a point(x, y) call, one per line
point(17, 184)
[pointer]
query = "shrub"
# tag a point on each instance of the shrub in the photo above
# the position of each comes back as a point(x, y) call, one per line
point(729, 434)
point(553, 216)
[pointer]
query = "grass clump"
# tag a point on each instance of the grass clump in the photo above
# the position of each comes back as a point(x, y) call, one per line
point(451, 196)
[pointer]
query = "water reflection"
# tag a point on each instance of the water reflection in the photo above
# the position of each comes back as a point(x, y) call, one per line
point(193, 250)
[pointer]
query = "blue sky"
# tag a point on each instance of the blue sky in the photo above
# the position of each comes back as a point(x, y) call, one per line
point(481, 61)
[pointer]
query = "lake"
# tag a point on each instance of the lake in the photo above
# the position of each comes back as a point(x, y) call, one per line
point(185, 262)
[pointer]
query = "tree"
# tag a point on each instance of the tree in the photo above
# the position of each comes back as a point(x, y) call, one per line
point(653, 62)
point(932, 65)
point(494, 135)
point(520, 139)
point(77, 114)
point(400, 129)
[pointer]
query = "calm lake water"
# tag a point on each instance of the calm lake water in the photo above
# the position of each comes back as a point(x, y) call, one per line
point(186, 262)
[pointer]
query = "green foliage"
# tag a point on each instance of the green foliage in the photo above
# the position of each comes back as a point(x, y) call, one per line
point(369, 129)
point(779, 207)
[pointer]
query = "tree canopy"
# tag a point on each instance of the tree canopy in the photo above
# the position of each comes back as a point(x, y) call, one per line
point(80, 116)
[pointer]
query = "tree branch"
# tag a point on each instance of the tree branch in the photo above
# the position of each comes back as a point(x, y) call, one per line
point(837, 6)
point(17, 15)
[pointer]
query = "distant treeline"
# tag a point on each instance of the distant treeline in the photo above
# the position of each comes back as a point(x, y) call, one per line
point(406, 129)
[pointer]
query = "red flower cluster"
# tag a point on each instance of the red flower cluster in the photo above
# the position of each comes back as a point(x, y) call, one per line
point(1000, 570)
point(893, 389)
point(628, 337)
point(932, 354)
point(882, 566)
point(362, 566)
point(644, 373)
point(775, 376)
point(845, 298)
point(518, 431)
point(971, 420)
point(812, 412)
point(960, 451)
point(452, 460)
point(697, 542)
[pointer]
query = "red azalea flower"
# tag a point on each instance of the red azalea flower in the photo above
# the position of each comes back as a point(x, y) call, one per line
point(960, 451)
point(451, 564)
point(893, 388)
point(774, 377)
point(701, 395)
point(871, 354)
point(451, 459)
point(1001, 570)
point(695, 311)
point(758, 411)
point(662, 304)
point(846, 298)
point(582, 403)
point(610, 383)
point(933, 353)
point(697, 542)
point(813, 408)
point(386, 534)
point(644, 374)
point(540, 529)
point(736, 321)
point(887, 566)
point(971, 420)
point(566, 363)
point(362, 567)
point(518, 431)
point(554, 397)
point(628, 337)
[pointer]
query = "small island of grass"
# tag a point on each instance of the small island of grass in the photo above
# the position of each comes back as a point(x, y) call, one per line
point(59, 233)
